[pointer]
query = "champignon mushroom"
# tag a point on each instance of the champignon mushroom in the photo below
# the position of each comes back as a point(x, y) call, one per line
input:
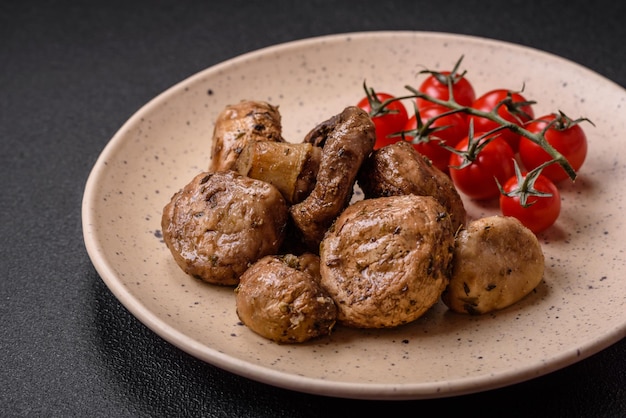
point(385, 261)
point(238, 124)
point(220, 223)
point(497, 262)
point(398, 169)
point(279, 298)
point(346, 140)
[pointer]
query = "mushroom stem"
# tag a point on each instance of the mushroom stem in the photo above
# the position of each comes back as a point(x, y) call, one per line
point(291, 168)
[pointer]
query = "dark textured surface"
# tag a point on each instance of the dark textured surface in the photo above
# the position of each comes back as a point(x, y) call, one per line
point(71, 73)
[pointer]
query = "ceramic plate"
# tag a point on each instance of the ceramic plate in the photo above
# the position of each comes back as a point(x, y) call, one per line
point(576, 311)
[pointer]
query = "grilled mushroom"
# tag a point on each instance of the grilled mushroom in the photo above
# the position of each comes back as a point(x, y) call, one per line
point(497, 261)
point(222, 222)
point(279, 298)
point(238, 124)
point(346, 140)
point(399, 169)
point(385, 261)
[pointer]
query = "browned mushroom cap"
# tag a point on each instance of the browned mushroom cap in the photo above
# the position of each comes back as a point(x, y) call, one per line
point(239, 123)
point(279, 298)
point(497, 261)
point(385, 261)
point(398, 169)
point(347, 139)
point(222, 222)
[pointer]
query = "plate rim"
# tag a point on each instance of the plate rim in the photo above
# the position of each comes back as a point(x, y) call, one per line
point(264, 374)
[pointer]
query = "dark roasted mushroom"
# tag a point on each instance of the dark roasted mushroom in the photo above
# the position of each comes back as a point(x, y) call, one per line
point(346, 140)
point(385, 261)
point(398, 169)
point(279, 298)
point(222, 222)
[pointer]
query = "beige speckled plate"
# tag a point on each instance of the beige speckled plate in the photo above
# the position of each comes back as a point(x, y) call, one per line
point(579, 309)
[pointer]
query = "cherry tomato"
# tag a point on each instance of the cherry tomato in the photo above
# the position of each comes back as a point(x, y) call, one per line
point(448, 129)
point(477, 179)
point(388, 123)
point(541, 211)
point(565, 135)
point(436, 85)
point(520, 113)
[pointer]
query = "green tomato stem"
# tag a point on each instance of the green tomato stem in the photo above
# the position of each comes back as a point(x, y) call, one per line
point(493, 115)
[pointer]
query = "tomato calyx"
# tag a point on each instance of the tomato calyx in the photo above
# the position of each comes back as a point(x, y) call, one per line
point(448, 78)
point(378, 107)
point(475, 145)
point(425, 132)
point(525, 185)
point(562, 122)
point(515, 108)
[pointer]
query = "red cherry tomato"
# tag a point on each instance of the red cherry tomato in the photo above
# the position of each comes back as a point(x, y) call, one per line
point(519, 114)
point(436, 85)
point(477, 179)
point(542, 211)
point(447, 129)
point(565, 135)
point(386, 124)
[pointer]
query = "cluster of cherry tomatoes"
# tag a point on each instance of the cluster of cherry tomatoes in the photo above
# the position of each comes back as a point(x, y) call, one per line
point(484, 159)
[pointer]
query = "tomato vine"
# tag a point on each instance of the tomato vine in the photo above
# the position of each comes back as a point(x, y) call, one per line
point(454, 107)
point(537, 138)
